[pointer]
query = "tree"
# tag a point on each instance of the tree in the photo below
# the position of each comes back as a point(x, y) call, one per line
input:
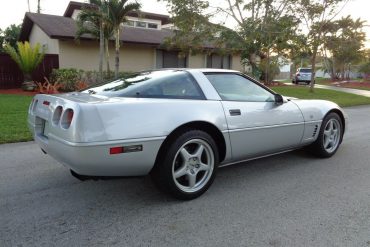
point(9, 36)
point(94, 13)
point(117, 12)
point(27, 57)
point(263, 27)
point(316, 14)
point(344, 40)
point(89, 22)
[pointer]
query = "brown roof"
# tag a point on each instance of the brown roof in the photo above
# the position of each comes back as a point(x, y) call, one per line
point(60, 27)
point(165, 19)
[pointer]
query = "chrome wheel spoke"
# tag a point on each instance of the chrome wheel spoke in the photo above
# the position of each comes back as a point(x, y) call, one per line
point(185, 154)
point(204, 167)
point(192, 180)
point(327, 133)
point(180, 172)
point(198, 153)
point(326, 142)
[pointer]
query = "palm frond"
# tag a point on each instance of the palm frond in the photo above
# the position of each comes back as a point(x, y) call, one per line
point(27, 57)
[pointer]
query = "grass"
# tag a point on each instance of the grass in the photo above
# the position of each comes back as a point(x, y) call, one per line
point(342, 99)
point(13, 118)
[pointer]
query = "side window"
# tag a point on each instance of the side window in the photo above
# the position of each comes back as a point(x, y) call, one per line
point(180, 86)
point(165, 84)
point(234, 87)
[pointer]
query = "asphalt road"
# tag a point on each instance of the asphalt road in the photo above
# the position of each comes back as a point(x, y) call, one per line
point(291, 199)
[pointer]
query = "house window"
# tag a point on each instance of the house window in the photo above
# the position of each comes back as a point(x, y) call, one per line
point(170, 59)
point(153, 25)
point(141, 24)
point(219, 62)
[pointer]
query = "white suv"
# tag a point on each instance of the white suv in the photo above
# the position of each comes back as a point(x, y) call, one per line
point(302, 75)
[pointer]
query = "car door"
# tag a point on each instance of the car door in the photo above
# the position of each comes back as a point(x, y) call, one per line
point(256, 124)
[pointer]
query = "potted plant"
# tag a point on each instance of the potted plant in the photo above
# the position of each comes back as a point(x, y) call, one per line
point(27, 58)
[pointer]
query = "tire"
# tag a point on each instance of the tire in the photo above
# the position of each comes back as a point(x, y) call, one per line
point(188, 165)
point(330, 136)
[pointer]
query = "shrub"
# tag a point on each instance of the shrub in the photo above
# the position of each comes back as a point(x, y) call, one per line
point(67, 78)
point(73, 79)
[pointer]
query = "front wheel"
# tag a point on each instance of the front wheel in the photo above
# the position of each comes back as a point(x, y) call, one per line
point(187, 169)
point(330, 136)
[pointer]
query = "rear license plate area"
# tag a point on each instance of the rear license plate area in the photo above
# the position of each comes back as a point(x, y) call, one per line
point(42, 127)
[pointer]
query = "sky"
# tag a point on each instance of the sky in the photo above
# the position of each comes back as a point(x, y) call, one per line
point(12, 12)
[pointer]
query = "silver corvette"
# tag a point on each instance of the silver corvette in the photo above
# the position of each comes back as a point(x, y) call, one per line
point(179, 126)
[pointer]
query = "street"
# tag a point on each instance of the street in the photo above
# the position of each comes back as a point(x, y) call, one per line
point(291, 199)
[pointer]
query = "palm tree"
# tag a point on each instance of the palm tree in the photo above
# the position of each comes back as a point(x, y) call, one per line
point(88, 22)
point(117, 12)
point(27, 58)
point(95, 12)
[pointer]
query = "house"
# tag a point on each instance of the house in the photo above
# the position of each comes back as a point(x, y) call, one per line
point(142, 41)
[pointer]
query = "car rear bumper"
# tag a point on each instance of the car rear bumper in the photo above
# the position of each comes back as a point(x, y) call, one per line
point(94, 158)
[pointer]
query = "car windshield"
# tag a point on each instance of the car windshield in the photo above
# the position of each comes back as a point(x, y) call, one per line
point(305, 70)
point(176, 84)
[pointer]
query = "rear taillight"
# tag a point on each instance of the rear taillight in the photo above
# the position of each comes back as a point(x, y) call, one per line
point(34, 106)
point(67, 118)
point(57, 115)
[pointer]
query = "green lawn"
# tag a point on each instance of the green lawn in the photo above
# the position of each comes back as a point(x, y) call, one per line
point(342, 99)
point(13, 118)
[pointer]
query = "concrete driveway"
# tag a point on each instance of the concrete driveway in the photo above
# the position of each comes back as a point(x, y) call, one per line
point(291, 199)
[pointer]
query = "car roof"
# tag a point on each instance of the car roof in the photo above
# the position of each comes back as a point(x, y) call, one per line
point(203, 70)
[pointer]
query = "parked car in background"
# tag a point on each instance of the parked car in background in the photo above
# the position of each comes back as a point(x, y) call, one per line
point(179, 125)
point(302, 75)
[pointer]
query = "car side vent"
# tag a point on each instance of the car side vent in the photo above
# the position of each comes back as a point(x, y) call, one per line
point(315, 131)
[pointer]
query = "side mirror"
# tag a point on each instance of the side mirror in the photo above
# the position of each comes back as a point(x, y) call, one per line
point(279, 100)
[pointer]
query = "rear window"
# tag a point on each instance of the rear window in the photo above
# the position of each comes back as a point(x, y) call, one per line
point(172, 84)
point(305, 70)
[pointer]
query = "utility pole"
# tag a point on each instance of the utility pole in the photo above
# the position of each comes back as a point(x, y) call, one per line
point(38, 7)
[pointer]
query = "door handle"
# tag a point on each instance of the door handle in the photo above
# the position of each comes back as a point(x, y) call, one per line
point(235, 112)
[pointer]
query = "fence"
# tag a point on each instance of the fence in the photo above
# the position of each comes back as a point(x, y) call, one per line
point(11, 76)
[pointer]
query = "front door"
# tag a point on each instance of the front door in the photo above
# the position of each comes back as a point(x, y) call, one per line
point(257, 125)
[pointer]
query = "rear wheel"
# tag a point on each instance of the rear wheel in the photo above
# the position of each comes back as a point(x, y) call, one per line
point(189, 166)
point(330, 136)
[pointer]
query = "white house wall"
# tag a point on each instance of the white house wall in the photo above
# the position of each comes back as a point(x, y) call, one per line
point(85, 55)
point(197, 61)
point(236, 63)
point(51, 46)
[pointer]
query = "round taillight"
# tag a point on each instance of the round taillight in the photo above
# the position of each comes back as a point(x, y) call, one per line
point(67, 118)
point(57, 115)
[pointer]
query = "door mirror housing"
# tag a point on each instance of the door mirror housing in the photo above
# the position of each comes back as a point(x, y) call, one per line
point(279, 100)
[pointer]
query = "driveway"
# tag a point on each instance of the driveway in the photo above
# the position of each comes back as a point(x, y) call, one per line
point(290, 199)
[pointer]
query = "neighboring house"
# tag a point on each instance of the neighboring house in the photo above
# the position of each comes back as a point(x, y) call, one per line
point(142, 43)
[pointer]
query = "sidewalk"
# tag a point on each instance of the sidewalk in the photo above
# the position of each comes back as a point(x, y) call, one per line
point(341, 89)
point(346, 90)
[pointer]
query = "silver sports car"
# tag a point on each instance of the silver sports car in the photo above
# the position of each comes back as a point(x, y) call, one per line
point(179, 125)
